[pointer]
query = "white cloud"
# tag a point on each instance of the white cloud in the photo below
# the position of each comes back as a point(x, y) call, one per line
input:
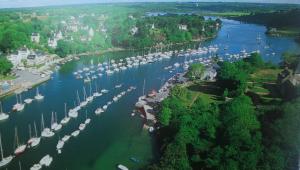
point(34, 3)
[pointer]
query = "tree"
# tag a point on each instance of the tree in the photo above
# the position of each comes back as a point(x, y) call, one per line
point(5, 65)
point(256, 60)
point(195, 71)
point(241, 135)
point(165, 116)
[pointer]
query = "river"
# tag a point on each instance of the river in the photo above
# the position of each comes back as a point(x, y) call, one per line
point(114, 136)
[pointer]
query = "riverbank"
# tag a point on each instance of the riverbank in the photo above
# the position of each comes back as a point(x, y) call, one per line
point(149, 105)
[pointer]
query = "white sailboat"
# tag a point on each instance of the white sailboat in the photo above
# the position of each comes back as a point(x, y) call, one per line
point(66, 119)
point(18, 106)
point(58, 126)
point(73, 113)
point(60, 145)
point(28, 100)
point(104, 91)
point(38, 96)
point(4, 160)
point(87, 120)
point(96, 94)
point(3, 116)
point(75, 133)
point(46, 160)
point(53, 122)
point(36, 167)
point(20, 148)
point(46, 132)
point(84, 102)
point(35, 140)
point(81, 126)
point(90, 98)
point(66, 138)
point(99, 111)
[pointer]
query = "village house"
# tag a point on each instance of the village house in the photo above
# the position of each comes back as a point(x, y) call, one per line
point(35, 37)
point(91, 33)
point(134, 30)
point(17, 57)
point(182, 27)
point(52, 42)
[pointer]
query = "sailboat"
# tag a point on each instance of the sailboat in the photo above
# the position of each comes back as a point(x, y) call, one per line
point(60, 145)
point(81, 126)
point(66, 119)
point(18, 106)
point(38, 96)
point(35, 140)
point(3, 116)
point(28, 100)
point(99, 111)
point(90, 98)
point(73, 113)
point(66, 138)
point(75, 133)
point(36, 167)
point(46, 132)
point(4, 160)
point(87, 120)
point(108, 71)
point(96, 94)
point(57, 126)
point(78, 107)
point(53, 122)
point(46, 160)
point(84, 102)
point(19, 147)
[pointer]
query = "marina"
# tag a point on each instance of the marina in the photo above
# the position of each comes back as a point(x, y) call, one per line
point(90, 103)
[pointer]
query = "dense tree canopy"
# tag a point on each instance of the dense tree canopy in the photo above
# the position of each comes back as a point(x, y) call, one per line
point(5, 66)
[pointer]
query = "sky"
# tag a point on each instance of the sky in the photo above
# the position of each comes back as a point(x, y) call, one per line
point(35, 3)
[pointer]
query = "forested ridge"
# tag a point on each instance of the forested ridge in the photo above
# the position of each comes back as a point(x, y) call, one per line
point(235, 125)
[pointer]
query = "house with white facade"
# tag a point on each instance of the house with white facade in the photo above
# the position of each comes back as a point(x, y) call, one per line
point(17, 57)
point(182, 27)
point(35, 37)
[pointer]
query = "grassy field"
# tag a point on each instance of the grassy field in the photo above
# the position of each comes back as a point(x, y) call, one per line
point(287, 31)
point(263, 84)
point(9, 77)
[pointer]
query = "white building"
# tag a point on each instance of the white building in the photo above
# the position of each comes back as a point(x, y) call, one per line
point(134, 30)
point(16, 58)
point(52, 42)
point(91, 33)
point(35, 37)
point(182, 27)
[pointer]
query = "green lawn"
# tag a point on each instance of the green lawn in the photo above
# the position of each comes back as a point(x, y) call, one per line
point(9, 77)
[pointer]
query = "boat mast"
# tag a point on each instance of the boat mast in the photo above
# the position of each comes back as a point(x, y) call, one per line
point(52, 118)
point(42, 122)
point(1, 149)
point(29, 127)
point(84, 93)
point(144, 87)
point(20, 98)
point(1, 110)
point(35, 130)
point(20, 167)
point(78, 98)
point(16, 137)
point(91, 89)
point(65, 110)
point(55, 117)
point(17, 98)
point(96, 86)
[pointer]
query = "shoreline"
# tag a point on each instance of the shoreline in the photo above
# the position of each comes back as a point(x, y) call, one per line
point(28, 84)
